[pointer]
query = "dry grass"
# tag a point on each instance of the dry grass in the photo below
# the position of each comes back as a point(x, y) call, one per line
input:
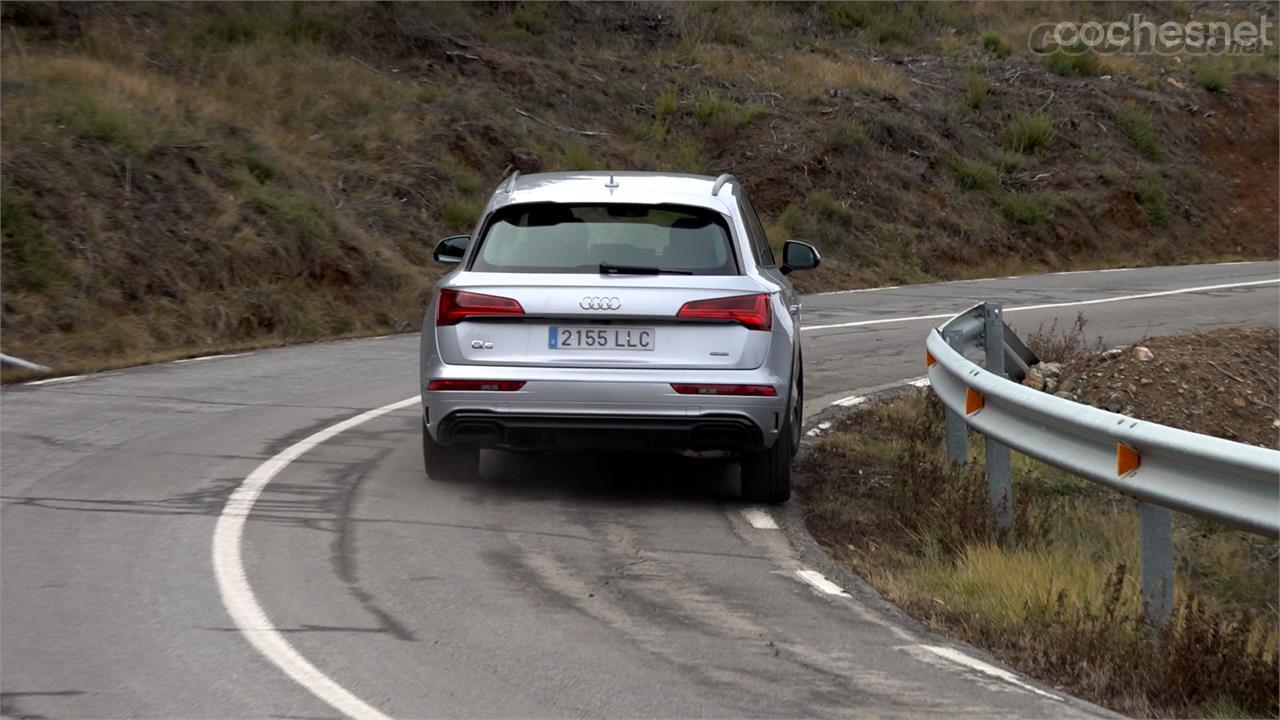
point(1058, 597)
point(193, 177)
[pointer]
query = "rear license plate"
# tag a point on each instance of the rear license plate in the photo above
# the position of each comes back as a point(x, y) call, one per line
point(598, 338)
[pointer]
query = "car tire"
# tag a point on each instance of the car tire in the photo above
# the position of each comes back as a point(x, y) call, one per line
point(449, 463)
point(766, 474)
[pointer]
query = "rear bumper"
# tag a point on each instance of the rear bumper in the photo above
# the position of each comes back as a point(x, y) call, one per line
point(602, 408)
point(634, 432)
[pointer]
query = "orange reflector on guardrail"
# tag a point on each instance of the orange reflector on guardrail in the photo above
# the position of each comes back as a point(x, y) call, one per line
point(929, 359)
point(1127, 459)
point(973, 401)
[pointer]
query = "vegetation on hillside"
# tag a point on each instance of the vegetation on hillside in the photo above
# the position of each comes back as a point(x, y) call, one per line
point(1059, 596)
point(183, 177)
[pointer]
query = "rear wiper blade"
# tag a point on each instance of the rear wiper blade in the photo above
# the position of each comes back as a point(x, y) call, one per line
point(607, 269)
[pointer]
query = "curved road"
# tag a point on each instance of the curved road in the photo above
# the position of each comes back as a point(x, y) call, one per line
point(552, 586)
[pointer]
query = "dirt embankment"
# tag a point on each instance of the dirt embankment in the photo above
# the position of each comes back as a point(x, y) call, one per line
point(183, 178)
point(1222, 382)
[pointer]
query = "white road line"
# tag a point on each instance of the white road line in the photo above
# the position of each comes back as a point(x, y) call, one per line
point(233, 582)
point(759, 518)
point(202, 358)
point(859, 290)
point(818, 580)
point(57, 380)
point(851, 401)
point(919, 382)
point(973, 663)
point(1050, 306)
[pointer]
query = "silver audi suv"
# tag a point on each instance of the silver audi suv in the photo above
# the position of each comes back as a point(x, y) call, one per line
point(595, 310)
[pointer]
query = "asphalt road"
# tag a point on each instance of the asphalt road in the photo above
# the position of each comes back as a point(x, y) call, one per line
point(553, 586)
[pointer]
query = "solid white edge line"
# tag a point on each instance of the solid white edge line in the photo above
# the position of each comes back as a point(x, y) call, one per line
point(759, 518)
point(202, 358)
point(1049, 306)
point(56, 381)
point(851, 401)
point(973, 663)
point(233, 583)
point(859, 290)
point(820, 581)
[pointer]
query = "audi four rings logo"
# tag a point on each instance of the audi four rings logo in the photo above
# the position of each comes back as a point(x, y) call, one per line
point(600, 303)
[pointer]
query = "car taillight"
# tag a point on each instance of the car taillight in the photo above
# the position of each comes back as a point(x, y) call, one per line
point(485, 385)
point(753, 390)
point(750, 310)
point(456, 305)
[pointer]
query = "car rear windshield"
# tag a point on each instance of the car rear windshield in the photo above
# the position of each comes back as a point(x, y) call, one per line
point(580, 238)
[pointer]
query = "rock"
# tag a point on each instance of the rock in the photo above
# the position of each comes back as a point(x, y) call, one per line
point(1051, 369)
point(1240, 403)
point(1034, 379)
point(525, 160)
point(1141, 354)
point(1112, 353)
point(1065, 395)
point(1115, 402)
point(1051, 384)
point(1144, 381)
point(1131, 389)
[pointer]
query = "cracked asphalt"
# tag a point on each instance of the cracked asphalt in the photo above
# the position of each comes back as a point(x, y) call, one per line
point(553, 586)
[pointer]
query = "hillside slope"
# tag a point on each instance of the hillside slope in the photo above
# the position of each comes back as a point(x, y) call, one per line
point(181, 178)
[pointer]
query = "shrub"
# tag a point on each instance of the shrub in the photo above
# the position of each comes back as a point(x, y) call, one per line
point(1033, 209)
point(298, 212)
point(1030, 133)
point(260, 168)
point(880, 21)
point(666, 104)
point(994, 44)
point(848, 135)
point(89, 119)
point(974, 174)
point(712, 107)
point(1074, 61)
point(461, 215)
point(1137, 125)
point(1212, 77)
point(578, 156)
point(976, 87)
point(1153, 198)
point(1011, 161)
point(31, 261)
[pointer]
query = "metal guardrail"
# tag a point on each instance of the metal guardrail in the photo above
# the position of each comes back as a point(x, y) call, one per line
point(19, 362)
point(1164, 467)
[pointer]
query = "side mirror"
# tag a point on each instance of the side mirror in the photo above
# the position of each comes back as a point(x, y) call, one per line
point(797, 255)
point(451, 249)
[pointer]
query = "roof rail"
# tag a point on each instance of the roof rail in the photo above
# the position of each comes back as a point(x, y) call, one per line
point(511, 184)
point(720, 181)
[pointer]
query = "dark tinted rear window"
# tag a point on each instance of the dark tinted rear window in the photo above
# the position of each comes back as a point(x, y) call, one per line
point(560, 238)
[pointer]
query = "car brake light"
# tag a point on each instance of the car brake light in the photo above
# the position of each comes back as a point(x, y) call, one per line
point(483, 385)
point(750, 310)
point(753, 390)
point(456, 305)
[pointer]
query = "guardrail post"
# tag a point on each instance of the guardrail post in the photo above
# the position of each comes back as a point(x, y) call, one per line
point(999, 470)
point(957, 430)
point(1157, 561)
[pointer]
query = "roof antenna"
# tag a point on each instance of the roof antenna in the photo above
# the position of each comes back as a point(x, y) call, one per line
point(613, 182)
point(511, 184)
